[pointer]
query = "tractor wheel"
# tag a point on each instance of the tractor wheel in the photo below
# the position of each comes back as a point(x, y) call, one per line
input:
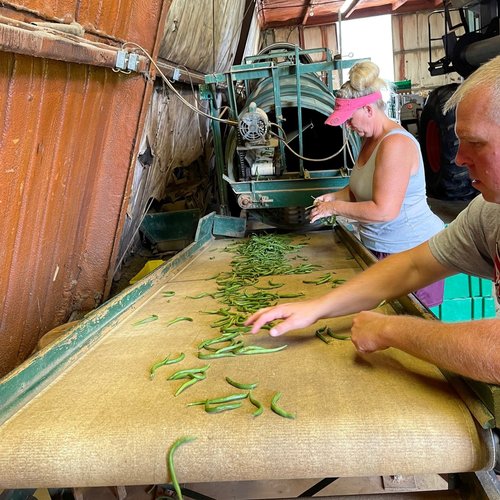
point(439, 144)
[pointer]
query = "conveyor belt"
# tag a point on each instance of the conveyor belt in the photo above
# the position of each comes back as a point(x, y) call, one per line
point(84, 412)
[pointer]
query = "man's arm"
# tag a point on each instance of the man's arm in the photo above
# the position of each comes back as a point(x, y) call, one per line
point(470, 348)
point(389, 278)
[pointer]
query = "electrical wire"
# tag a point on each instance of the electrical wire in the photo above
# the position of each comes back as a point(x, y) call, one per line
point(174, 90)
point(297, 154)
point(229, 122)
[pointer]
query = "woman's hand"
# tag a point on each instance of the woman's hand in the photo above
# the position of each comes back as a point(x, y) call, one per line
point(325, 197)
point(322, 209)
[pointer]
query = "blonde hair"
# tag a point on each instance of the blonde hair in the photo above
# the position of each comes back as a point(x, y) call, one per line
point(486, 76)
point(363, 80)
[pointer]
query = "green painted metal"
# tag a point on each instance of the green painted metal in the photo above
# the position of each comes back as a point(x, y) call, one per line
point(19, 386)
point(286, 192)
point(234, 227)
point(219, 157)
point(489, 395)
point(171, 230)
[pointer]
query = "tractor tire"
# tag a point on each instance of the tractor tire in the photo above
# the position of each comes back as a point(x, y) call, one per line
point(439, 144)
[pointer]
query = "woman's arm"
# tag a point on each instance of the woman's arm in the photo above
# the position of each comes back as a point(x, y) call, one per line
point(397, 158)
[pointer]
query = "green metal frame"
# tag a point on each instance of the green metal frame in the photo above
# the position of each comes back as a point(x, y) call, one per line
point(298, 189)
point(20, 385)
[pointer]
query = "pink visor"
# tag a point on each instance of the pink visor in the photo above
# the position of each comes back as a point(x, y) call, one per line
point(344, 108)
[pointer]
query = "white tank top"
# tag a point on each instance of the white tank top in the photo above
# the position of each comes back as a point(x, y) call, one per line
point(415, 223)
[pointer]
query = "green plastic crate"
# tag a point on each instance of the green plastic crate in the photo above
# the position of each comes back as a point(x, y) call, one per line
point(463, 285)
point(466, 298)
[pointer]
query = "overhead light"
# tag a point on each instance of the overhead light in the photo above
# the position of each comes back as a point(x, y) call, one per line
point(311, 10)
point(345, 6)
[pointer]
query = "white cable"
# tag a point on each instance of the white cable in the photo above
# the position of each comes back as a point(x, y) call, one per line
point(229, 122)
point(297, 154)
point(174, 90)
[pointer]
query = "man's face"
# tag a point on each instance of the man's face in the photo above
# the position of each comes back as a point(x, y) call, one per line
point(479, 147)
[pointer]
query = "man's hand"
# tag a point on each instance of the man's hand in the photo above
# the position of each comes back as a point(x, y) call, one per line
point(367, 332)
point(295, 315)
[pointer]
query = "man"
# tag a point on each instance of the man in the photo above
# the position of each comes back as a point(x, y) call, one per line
point(470, 245)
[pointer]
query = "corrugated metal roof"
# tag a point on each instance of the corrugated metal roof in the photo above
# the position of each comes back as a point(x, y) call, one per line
point(276, 13)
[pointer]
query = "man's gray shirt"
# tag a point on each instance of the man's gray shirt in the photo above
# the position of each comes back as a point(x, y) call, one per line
point(470, 243)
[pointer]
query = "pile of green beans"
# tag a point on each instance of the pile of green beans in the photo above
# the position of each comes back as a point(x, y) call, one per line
point(238, 348)
point(259, 255)
point(235, 401)
point(255, 257)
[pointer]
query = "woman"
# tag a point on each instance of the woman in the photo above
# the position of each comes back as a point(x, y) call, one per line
point(386, 191)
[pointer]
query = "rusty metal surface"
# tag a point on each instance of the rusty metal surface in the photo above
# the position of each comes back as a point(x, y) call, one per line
point(49, 42)
point(68, 138)
point(125, 20)
point(276, 13)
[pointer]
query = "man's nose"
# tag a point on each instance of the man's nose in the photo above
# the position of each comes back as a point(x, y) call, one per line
point(460, 158)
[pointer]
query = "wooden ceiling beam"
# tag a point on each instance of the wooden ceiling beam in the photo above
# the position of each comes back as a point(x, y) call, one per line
point(305, 12)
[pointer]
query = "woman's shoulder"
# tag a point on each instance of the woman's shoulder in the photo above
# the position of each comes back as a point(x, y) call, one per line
point(397, 137)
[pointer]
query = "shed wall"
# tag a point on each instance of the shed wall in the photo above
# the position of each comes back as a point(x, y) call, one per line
point(68, 138)
point(411, 50)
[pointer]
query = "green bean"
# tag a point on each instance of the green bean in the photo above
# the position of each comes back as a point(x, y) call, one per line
point(290, 295)
point(226, 337)
point(271, 286)
point(322, 336)
point(200, 295)
point(178, 359)
point(255, 349)
point(157, 365)
point(277, 409)
point(230, 348)
point(239, 385)
point(153, 317)
point(238, 330)
point(189, 383)
point(215, 355)
point(187, 372)
point(320, 280)
point(215, 276)
point(340, 336)
point(224, 399)
point(180, 318)
point(170, 463)
point(166, 362)
point(257, 404)
point(221, 408)
point(168, 293)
